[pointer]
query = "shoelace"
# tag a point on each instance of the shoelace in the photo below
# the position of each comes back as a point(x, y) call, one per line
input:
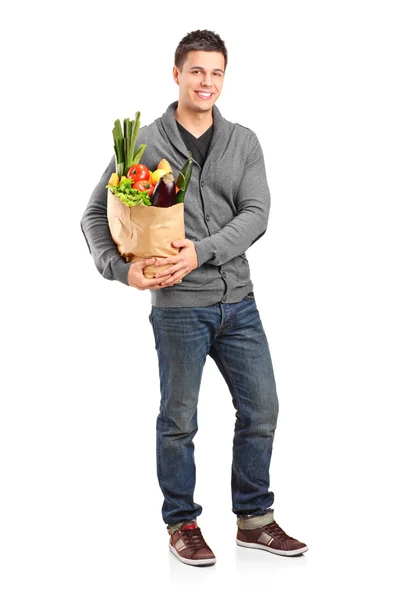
point(277, 532)
point(194, 537)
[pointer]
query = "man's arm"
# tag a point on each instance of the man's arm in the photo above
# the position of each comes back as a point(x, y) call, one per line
point(253, 202)
point(95, 228)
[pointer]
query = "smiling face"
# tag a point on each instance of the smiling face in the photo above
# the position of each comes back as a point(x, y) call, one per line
point(201, 79)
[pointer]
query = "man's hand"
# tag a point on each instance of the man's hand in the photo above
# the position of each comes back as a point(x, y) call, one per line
point(181, 264)
point(137, 279)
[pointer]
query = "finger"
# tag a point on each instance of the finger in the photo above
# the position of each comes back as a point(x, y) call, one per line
point(145, 261)
point(154, 282)
point(176, 278)
point(160, 286)
point(146, 281)
point(169, 271)
point(166, 261)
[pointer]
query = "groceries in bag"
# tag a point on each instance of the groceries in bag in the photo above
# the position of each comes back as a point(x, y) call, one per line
point(145, 209)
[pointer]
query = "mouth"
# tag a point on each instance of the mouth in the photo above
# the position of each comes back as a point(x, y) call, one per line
point(203, 95)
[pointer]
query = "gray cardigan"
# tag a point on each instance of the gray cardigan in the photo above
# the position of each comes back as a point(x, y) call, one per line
point(226, 210)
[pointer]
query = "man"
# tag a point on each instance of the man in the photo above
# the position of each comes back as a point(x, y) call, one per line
point(203, 302)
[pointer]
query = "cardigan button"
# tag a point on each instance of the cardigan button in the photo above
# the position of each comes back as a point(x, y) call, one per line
point(207, 217)
point(202, 183)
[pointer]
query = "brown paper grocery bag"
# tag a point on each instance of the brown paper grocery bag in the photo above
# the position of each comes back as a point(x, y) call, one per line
point(145, 231)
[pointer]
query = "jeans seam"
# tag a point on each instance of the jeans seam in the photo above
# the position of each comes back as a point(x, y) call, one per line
point(236, 396)
point(228, 373)
point(158, 454)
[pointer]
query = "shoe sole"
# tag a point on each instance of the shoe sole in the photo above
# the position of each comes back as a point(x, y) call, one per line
point(189, 561)
point(280, 552)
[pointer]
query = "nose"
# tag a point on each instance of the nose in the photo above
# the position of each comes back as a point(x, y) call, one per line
point(207, 80)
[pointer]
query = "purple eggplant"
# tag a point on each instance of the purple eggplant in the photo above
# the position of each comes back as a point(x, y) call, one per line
point(164, 194)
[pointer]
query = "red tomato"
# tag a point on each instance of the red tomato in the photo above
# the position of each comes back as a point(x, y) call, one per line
point(143, 186)
point(138, 172)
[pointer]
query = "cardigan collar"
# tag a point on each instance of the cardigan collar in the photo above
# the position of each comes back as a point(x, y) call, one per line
point(168, 122)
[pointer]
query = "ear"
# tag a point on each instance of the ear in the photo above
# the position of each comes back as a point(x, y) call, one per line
point(175, 74)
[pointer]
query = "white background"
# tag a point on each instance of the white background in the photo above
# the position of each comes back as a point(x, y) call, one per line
point(80, 503)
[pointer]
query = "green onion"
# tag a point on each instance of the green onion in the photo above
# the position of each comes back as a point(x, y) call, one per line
point(139, 154)
point(124, 145)
point(132, 141)
point(119, 148)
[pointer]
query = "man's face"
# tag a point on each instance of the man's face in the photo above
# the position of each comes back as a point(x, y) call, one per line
point(200, 82)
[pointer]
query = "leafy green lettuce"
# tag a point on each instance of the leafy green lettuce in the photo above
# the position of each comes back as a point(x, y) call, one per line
point(125, 192)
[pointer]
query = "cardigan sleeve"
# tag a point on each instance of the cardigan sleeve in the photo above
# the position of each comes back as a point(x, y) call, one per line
point(96, 231)
point(253, 201)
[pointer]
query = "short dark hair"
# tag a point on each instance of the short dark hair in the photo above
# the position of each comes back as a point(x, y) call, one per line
point(201, 39)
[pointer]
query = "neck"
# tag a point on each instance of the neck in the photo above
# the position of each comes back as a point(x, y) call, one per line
point(195, 122)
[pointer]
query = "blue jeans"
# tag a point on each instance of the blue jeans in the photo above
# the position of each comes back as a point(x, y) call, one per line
point(233, 335)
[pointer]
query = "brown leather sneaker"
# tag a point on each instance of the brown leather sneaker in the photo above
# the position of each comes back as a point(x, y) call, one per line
point(272, 538)
point(188, 544)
